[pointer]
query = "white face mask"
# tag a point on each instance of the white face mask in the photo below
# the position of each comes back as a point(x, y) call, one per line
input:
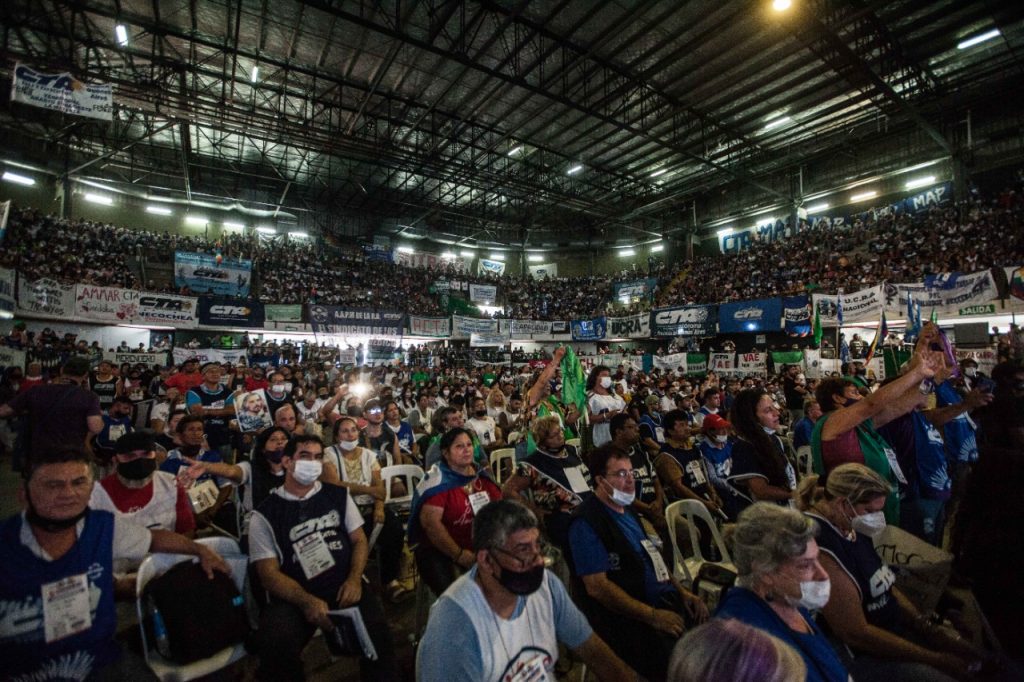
point(722, 439)
point(971, 371)
point(606, 382)
point(307, 471)
point(622, 498)
point(767, 430)
point(814, 595)
point(348, 445)
point(870, 525)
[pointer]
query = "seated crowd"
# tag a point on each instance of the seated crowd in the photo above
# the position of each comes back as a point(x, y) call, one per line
point(518, 475)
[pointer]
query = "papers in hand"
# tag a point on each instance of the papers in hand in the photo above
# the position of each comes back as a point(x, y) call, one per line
point(349, 636)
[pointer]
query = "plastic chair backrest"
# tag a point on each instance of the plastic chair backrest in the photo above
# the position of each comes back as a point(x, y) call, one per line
point(673, 516)
point(498, 459)
point(410, 473)
point(805, 460)
point(693, 508)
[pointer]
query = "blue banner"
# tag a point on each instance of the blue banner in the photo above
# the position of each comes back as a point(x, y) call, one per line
point(638, 288)
point(762, 315)
point(201, 273)
point(796, 311)
point(685, 320)
point(230, 312)
point(589, 330)
point(333, 319)
point(375, 252)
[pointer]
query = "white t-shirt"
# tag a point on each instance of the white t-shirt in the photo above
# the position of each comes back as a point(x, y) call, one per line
point(485, 429)
point(599, 403)
point(310, 414)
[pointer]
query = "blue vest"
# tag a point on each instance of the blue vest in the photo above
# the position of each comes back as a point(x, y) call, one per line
point(217, 433)
point(293, 520)
point(23, 647)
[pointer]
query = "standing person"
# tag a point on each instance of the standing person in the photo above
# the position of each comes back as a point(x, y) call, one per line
point(403, 432)
point(306, 544)
point(795, 393)
point(60, 414)
point(187, 377)
point(116, 422)
point(105, 384)
point(761, 468)
point(804, 427)
point(603, 404)
point(215, 403)
point(506, 616)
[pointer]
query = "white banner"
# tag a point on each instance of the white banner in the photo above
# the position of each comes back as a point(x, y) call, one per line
point(632, 327)
point(62, 92)
point(723, 363)
point(429, 260)
point(12, 357)
point(7, 299)
point(106, 304)
point(347, 356)
point(463, 327)
point(985, 358)
point(168, 309)
point(490, 267)
point(524, 329)
point(46, 297)
point(543, 270)
point(135, 358)
point(482, 340)
point(812, 363)
point(753, 363)
point(672, 362)
point(233, 357)
point(860, 306)
point(483, 293)
point(947, 295)
point(436, 327)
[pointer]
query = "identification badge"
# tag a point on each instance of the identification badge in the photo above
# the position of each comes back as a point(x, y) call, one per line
point(659, 434)
point(66, 607)
point(894, 464)
point(660, 569)
point(696, 472)
point(531, 671)
point(478, 501)
point(216, 405)
point(577, 483)
point(115, 432)
point(314, 555)
point(203, 495)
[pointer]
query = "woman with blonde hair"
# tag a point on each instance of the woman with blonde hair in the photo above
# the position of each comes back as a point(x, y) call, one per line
point(890, 639)
point(724, 649)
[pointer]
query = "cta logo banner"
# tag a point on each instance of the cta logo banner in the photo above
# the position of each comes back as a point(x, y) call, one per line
point(761, 315)
point(231, 312)
point(686, 320)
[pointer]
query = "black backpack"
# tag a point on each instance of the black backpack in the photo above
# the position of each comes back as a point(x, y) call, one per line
point(201, 616)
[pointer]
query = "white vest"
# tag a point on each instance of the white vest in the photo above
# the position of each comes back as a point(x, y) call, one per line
point(160, 512)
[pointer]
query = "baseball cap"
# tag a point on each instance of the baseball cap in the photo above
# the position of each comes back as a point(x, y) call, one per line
point(713, 421)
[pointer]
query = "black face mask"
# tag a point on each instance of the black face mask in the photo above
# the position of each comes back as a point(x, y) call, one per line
point(522, 583)
point(137, 469)
point(274, 456)
point(51, 525)
point(481, 413)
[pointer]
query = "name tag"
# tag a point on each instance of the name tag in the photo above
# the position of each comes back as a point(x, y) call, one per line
point(659, 434)
point(696, 472)
point(116, 431)
point(216, 405)
point(577, 483)
point(66, 607)
point(531, 671)
point(894, 464)
point(478, 501)
point(660, 569)
point(314, 555)
point(203, 495)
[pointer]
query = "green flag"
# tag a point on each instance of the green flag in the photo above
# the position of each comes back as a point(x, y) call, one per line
point(574, 381)
point(787, 357)
point(817, 326)
point(461, 306)
point(934, 317)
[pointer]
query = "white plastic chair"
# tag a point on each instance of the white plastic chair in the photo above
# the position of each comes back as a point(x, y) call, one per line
point(686, 568)
point(410, 474)
point(156, 565)
point(805, 459)
point(498, 460)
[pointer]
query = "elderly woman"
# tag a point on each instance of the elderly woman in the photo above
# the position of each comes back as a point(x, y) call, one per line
point(558, 481)
point(723, 649)
point(847, 430)
point(890, 638)
point(447, 500)
point(780, 582)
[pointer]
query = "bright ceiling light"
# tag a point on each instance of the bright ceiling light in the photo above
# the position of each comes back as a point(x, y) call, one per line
point(497, 256)
point(776, 122)
point(657, 247)
point(18, 179)
point(233, 226)
point(725, 231)
point(255, 74)
point(298, 234)
point(534, 257)
point(99, 199)
point(122, 34)
point(658, 172)
point(196, 220)
point(575, 169)
point(817, 208)
point(264, 229)
point(626, 253)
point(920, 182)
point(448, 255)
point(864, 195)
point(516, 150)
point(159, 210)
point(406, 249)
point(468, 253)
point(971, 42)
point(781, 5)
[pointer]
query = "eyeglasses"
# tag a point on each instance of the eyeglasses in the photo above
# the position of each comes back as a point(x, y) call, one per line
point(525, 556)
point(621, 474)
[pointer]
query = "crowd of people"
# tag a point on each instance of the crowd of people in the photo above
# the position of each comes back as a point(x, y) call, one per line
point(523, 468)
point(875, 246)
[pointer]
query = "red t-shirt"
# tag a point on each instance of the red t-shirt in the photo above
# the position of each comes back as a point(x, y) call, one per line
point(129, 500)
point(256, 384)
point(184, 382)
point(29, 382)
point(843, 449)
point(457, 514)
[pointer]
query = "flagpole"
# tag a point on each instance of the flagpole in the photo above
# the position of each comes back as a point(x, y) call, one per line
point(839, 323)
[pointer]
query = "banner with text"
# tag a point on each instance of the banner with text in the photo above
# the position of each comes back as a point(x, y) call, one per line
point(485, 266)
point(429, 260)
point(484, 340)
point(859, 306)
point(696, 363)
point(796, 311)
point(62, 92)
point(723, 363)
point(203, 355)
point(588, 330)
point(524, 329)
point(483, 293)
point(543, 270)
point(168, 309)
point(687, 320)
point(205, 273)
point(7, 293)
point(634, 289)
point(231, 312)
point(946, 293)
point(675, 362)
point(631, 327)
point(762, 315)
point(106, 304)
point(752, 363)
point(135, 358)
point(12, 357)
point(464, 327)
point(434, 327)
point(46, 296)
point(334, 319)
point(282, 312)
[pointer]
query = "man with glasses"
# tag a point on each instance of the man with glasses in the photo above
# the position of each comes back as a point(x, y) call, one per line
point(624, 586)
point(516, 612)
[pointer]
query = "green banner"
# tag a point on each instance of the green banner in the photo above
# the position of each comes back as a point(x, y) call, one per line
point(787, 357)
point(696, 363)
point(279, 312)
point(984, 309)
point(894, 358)
point(460, 306)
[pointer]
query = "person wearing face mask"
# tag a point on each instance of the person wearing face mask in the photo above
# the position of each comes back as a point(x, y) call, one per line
point(307, 545)
point(716, 448)
point(484, 426)
point(780, 582)
point(890, 639)
point(624, 586)
point(279, 393)
point(191, 434)
point(602, 403)
point(506, 616)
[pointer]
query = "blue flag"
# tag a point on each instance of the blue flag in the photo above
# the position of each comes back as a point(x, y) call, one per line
point(839, 308)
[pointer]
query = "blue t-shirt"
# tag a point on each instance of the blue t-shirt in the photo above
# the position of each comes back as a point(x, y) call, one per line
point(961, 441)
point(405, 436)
point(802, 432)
point(175, 462)
point(590, 556)
point(931, 459)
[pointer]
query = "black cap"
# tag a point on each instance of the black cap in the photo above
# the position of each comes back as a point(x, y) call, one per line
point(136, 440)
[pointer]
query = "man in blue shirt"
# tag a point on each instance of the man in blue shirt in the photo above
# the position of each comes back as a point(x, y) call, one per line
point(804, 426)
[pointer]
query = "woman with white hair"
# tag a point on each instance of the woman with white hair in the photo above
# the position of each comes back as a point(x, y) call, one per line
point(780, 582)
point(725, 649)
